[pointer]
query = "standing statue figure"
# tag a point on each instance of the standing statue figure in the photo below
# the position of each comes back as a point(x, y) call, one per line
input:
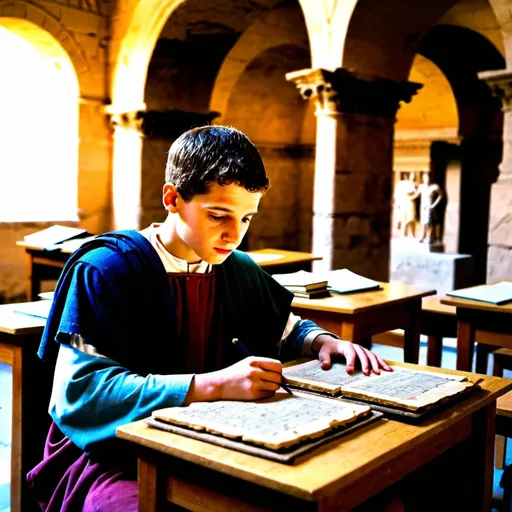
point(430, 196)
point(408, 206)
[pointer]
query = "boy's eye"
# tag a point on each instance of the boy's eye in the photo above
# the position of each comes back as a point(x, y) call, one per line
point(217, 218)
point(247, 220)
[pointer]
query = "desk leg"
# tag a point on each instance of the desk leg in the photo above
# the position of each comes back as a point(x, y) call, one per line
point(350, 331)
point(30, 419)
point(434, 350)
point(465, 340)
point(151, 485)
point(32, 286)
point(412, 334)
point(482, 456)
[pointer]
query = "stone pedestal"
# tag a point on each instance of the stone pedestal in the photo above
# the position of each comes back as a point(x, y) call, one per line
point(413, 264)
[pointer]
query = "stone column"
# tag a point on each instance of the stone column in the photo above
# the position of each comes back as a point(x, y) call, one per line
point(499, 255)
point(146, 138)
point(353, 166)
point(126, 176)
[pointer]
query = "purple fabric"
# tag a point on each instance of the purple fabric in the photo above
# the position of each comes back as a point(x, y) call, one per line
point(67, 480)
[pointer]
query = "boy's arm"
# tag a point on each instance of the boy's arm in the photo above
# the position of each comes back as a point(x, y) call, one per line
point(92, 395)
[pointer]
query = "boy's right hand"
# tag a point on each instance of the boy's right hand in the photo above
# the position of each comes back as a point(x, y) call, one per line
point(249, 379)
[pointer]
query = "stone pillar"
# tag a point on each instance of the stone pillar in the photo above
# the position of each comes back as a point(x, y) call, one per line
point(126, 179)
point(353, 166)
point(146, 137)
point(499, 255)
point(95, 166)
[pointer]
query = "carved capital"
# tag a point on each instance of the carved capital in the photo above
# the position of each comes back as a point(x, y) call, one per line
point(500, 83)
point(168, 124)
point(352, 93)
point(127, 120)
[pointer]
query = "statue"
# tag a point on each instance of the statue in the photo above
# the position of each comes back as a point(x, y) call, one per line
point(407, 206)
point(430, 196)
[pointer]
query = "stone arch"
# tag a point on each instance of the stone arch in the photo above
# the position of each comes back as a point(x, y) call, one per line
point(94, 157)
point(134, 54)
point(480, 128)
point(503, 15)
point(37, 15)
point(382, 37)
point(253, 42)
point(45, 72)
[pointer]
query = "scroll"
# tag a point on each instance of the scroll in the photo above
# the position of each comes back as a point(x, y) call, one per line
point(277, 422)
point(403, 387)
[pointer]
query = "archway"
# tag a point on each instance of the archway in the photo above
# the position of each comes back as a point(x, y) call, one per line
point(39, 102)
point(461, 53)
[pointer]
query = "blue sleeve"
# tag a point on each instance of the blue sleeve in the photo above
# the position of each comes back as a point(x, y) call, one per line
point(291, 348)
point(93, 395)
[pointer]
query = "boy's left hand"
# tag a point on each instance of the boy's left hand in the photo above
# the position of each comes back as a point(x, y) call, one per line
point(327, 347)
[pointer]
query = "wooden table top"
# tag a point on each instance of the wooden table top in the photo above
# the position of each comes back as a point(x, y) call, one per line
point(12, 322)
point(504, 405)
point(279, 258)
point(340, 463)
point(350, 303)
point(476, 304)
point(433, 304)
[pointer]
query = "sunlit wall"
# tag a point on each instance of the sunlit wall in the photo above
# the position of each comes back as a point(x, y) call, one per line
point(38, 127)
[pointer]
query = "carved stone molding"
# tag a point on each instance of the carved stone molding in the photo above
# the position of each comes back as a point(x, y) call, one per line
point(343, 91)
point(168, 124)
point(500, 83)
point(127, 120)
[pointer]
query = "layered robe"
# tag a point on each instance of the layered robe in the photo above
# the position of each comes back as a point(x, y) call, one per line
point(115, 294)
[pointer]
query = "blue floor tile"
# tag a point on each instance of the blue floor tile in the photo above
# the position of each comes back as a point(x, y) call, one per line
point(5, 496)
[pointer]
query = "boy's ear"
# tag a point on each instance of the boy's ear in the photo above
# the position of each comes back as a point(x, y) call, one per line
point(170, 197)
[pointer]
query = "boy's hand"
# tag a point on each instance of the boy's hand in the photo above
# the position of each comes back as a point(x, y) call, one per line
point(327, 347)
point(249, 379)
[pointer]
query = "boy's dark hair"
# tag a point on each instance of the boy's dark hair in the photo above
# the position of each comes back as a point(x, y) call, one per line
point(214, 153)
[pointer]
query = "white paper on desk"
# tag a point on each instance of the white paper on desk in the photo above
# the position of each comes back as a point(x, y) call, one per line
point(46, 295)
point(39, 309)
point(346, 281)
point(49, 238)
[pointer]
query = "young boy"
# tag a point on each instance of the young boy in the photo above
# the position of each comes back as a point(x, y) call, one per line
point(144, 320)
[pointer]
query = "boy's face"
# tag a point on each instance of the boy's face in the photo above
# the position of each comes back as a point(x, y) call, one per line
point(210, 226)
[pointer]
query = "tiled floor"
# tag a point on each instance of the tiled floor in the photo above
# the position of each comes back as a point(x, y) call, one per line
point(5, 435)
point(391, 353)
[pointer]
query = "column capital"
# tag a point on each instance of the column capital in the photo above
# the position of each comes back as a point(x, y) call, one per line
point(127, 120)
point(169, 124)
point(500, 83)
point(344, 91)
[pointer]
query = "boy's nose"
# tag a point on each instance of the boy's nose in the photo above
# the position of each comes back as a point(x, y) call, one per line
point(233, 235)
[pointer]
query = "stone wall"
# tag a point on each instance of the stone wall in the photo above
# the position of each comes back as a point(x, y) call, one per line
point(285, 217)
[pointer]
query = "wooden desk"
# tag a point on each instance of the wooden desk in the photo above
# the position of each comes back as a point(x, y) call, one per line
point(356, 317)
point(452, 451)
point(283, 262)
point(494, 325)
point(47, 265)
point(19, 339)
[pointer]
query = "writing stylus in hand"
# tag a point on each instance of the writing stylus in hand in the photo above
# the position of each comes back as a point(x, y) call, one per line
point(248, 353)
